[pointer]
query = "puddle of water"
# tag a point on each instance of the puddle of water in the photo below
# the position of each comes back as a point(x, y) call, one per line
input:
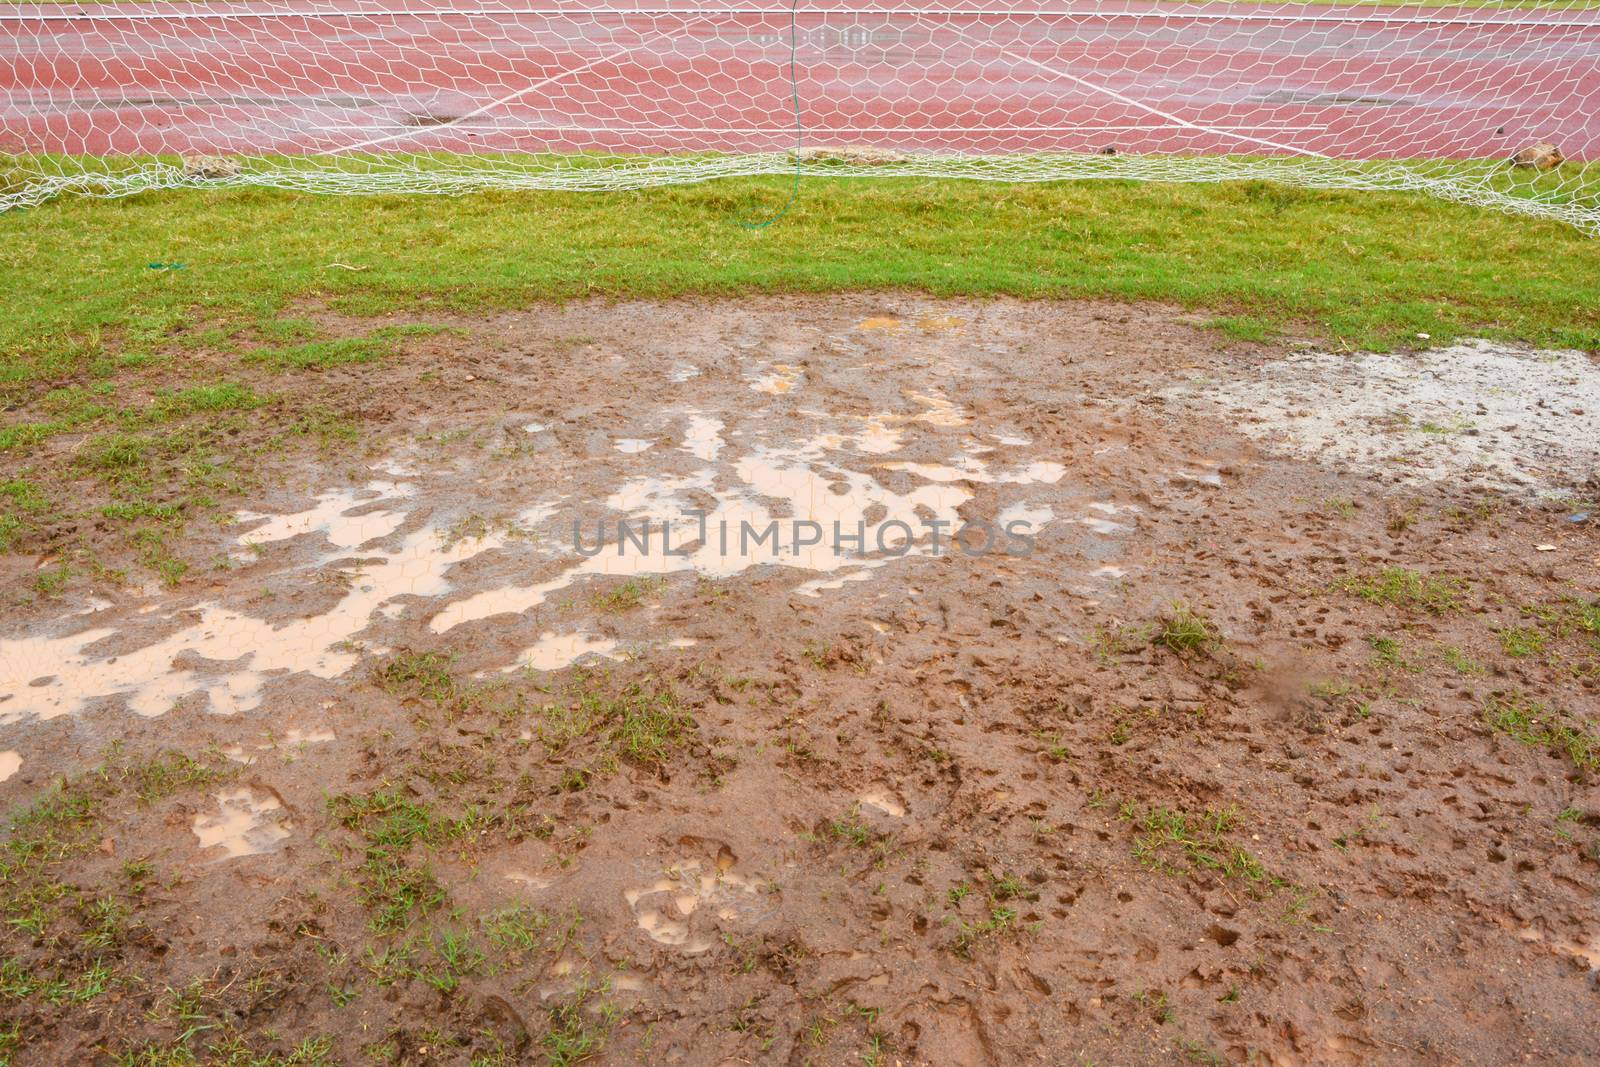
point(1103, 525)
point(628, 983)
point(794, 481)
point(925, 323)
point(554, 651)
point(858, 573)
point(940, 323)
point(10, 763)
point(872, 436)
point(1036, 518)
point(702, 438)
point(227, 657)
point(291, 739)
point(965, 468)
point(1478, 413)
point(248, 822)
point(43, 677)
point(940, 410)
point(328, 516)
point(630, 446)
point(778, 379)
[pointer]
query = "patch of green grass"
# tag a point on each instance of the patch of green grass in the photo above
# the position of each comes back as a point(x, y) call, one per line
point(1200, 841)
point(427, 673)
point(1387, 651)
point(22, 505)
point(1244, 328)
point(1459, 661)
point(1185, 630)
point(1568, 616)
point(1272, 256)
point(1520, 642)
point(646, 723)
point(520, 929)
point(220, 396)
point(1000, 921)
point(396, 890)
point(576, 1027)
point(329, 427)
point(338, 352)
point(628, 595)
point(165, 774)
point(851, 830)
point(71, 937)
point(1532, 723)
point(1405, 588)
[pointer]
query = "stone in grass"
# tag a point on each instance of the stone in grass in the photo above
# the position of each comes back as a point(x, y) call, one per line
point(211, 168)
point(1541, 156)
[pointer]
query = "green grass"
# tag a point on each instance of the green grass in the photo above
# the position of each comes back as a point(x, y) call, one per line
point(628, 595)
point(1185, 631)
point(1364, 269)
point(1520, 642)
point(1199, 839)
point(396, 890)
point(1405, 588)
point(338, 352)
point(1386, 650)
point(1532, 723)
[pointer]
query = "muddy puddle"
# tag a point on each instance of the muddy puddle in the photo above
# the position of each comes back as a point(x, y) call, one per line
point(869, 678)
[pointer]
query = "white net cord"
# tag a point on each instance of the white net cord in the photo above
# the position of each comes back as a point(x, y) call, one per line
point(1492, 104)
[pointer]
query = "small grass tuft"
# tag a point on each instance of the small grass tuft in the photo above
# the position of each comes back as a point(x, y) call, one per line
point(1532, 723)
point(1405, 588)
point(1186, 631)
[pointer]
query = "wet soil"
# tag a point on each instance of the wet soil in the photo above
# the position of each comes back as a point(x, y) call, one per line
point(1231, 742)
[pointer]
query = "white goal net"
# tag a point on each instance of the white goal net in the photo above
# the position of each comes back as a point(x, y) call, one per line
point(1486, 103)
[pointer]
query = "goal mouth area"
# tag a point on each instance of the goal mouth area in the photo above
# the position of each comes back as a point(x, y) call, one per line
point(1569, 193)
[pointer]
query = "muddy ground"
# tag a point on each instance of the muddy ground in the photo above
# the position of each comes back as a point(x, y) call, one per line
point(1262, 725)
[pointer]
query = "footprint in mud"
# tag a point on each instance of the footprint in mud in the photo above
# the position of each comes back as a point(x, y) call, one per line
point(884, 801)
point(530, 882)
point(778, 378)
point(666, 909)
point(1103, 523)
point(249, 821)
point(291, 740)
point(1587, 954)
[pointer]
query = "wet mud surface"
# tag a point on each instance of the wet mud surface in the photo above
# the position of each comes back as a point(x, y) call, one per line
point(1179, 703)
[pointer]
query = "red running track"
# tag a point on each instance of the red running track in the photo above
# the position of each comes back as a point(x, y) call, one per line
point(328, 77)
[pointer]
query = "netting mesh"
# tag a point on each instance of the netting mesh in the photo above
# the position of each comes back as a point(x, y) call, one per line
point(1488, 104)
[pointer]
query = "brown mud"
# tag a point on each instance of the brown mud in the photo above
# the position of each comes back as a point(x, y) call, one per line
point(1238, 757)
